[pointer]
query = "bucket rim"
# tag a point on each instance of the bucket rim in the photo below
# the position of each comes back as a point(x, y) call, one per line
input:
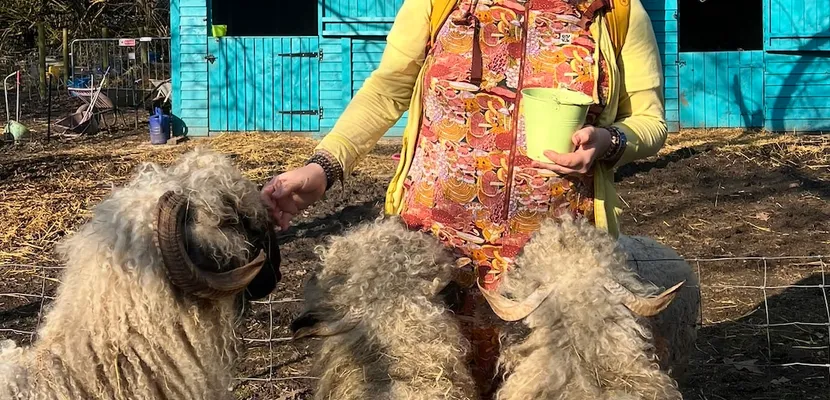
point(553, 95)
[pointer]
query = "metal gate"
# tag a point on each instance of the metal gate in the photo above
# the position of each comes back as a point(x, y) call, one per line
point(137, 66)
point(264, 84)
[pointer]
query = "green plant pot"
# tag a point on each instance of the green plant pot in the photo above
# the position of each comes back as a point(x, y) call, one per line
point(551, 118)
point(219, 30)
point(16, 129)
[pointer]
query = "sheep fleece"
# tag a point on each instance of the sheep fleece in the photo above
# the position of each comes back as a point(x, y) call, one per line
point(406, 344)
point(117, 329)
point(583, 342)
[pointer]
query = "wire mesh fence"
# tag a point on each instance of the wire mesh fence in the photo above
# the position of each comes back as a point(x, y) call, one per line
point(764, 321)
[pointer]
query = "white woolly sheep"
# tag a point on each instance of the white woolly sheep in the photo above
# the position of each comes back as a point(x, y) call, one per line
point(584, 310)
point(151, 290)
point(387, 334)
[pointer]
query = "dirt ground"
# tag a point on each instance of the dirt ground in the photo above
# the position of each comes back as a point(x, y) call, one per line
point(709, 194)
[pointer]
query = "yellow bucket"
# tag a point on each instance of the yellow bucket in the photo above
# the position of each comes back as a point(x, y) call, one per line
point(219, 30)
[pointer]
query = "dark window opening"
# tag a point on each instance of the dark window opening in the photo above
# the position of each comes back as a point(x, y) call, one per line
point(266, 17)
point(720, 25)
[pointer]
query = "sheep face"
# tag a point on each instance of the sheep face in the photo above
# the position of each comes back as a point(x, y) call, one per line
point(199, 224)
point(569, 242)
point(214, 235)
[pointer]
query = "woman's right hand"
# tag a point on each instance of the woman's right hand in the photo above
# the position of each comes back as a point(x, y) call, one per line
point(293, 191)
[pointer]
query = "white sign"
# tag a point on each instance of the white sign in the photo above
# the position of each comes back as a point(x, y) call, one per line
point(126, 42)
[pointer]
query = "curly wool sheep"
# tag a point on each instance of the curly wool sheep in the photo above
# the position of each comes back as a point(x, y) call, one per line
point(675, 329)
point(387, 334)
point(581, 305)
point(151, 289)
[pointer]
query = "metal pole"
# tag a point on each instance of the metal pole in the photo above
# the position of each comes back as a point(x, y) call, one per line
point(17, 109)
point(65, 55)
point(49, 103)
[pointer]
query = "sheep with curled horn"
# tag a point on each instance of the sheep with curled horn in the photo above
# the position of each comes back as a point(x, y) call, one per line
point(152, 290)
point(378, 302)
point(597, 330)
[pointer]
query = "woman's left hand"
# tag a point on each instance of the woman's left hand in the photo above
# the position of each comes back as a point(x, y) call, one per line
point(591, 142)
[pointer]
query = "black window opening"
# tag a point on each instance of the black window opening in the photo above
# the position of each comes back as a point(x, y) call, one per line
point(720, 25)
point(266, 17)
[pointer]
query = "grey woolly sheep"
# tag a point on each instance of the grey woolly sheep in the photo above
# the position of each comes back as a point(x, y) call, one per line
point(151, 289)
point(387, 334)
point(593, 331)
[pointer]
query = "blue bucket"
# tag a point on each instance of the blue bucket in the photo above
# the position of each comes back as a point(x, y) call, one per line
point(159, 127)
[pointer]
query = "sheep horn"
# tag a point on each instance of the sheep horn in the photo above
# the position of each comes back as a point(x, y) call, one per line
point(170, 222)
point(644, 306)
point(511, 310)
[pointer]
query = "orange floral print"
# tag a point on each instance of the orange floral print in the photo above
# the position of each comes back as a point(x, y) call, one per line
point(471, 183)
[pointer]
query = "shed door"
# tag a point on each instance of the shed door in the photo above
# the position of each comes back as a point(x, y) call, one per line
point(721, 89)
point(264, 84)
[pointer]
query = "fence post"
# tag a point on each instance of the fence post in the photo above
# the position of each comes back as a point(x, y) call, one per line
point(41, 58)
point(105, 51)
point(65, 55)
point(142, 47)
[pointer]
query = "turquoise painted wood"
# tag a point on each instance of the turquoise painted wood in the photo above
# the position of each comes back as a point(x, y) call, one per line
point(249, 87)
point(357, 17)
point(797, 92)
point(264, 84)
point(346, 64)
point(663, 14)
point(722, 89)
point(797, 25)
point(188, 67)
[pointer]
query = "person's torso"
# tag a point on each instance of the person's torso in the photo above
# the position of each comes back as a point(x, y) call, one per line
point(471, 183)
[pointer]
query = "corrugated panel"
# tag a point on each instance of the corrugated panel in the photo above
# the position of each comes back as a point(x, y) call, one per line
point(797, 92)
point(265, 84)
point(722, 89)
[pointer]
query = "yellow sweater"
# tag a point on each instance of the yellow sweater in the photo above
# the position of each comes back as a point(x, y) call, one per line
point(635, 104)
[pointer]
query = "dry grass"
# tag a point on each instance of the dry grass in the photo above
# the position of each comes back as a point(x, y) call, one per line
point(47, 191)
point(765, 148)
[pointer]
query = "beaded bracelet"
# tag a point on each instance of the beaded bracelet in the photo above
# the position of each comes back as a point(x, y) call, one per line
point(332, 168)
point(617, 147)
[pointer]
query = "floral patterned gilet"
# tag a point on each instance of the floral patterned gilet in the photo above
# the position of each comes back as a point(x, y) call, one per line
point(471, 183)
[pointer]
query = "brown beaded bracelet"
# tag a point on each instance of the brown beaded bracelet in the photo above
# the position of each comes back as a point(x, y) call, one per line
point(332, 168)
point(618, 144)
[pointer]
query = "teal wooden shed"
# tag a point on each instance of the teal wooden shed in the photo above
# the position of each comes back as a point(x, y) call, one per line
point(745, 63)
point(294, 66)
